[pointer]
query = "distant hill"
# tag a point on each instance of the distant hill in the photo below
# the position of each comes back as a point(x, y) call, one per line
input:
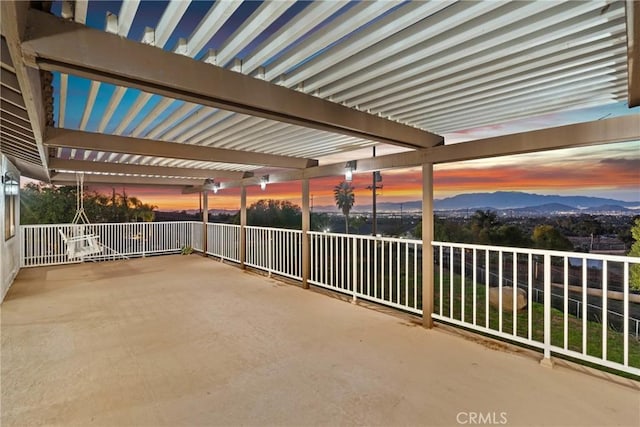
point(502, 200)
point(517, 199)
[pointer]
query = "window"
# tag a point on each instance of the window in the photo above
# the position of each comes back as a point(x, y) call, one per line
point(11, 192)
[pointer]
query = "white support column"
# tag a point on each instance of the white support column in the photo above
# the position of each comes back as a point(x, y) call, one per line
point(427, 248)
point(205, 220)
point(243, 224)
point(306, 226)
point(546, 360)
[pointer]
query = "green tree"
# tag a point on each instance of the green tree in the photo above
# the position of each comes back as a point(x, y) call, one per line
point(625, 234)
point(547, 237)
point(511, 235)
point(357, 222)
point(273, 213)
point(483, 225)
point(445, 230)
point(47, 204)
point(345, 199)
point(320, 221)
point(634, 271)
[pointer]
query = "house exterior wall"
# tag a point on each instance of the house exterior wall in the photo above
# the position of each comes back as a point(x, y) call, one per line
point(10, 231)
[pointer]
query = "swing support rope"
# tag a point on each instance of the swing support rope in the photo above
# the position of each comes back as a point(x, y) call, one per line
point(80, 217)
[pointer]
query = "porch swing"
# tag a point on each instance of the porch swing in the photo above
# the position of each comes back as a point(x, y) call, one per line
point(79, 243)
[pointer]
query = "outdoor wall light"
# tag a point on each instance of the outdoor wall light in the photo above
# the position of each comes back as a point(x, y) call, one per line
point(263, 182)
point(216, 187)
point(11, 186)
point(350, 166)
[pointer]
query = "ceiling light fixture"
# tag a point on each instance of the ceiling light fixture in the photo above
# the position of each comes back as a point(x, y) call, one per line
point(350, 167)
point(263, 182)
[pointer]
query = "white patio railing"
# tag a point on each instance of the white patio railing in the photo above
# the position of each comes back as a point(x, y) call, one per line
point(43, 245)
point(223, 241)
point(275, 250)
point(474, 288)
point(384, 270)
point(573, 304)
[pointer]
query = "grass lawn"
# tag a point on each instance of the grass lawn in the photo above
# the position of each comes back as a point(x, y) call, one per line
point(615, 340)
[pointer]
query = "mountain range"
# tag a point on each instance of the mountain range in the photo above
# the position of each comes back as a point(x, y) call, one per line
point(503, 200)
point(515, 201)
point(518, 199)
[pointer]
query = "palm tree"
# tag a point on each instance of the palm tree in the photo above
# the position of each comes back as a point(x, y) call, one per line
point(345, 199)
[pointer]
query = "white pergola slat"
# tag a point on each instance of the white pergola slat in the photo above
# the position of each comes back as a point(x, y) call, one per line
point(460, 70)
point(522, 67)
point(387, 26)
point(399, 49)
point(557, 85)
point(199, 121)
point(178, 116)
point(343, 25)
point(170, 18)
point(212, 22)
point(316, 13)
point(255, 24)
point(442, 54)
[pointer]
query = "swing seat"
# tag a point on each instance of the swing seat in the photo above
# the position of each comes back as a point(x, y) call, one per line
point(81, 246)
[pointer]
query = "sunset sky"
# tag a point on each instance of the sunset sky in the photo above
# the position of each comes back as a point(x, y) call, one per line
point(604, 171)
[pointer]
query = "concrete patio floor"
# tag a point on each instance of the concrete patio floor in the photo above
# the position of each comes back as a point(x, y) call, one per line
point(183, 340)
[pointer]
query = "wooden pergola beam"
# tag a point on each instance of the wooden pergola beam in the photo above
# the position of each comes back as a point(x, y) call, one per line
point(70, 179)
point(618, 129)
point(124, 168)
point(58, 45)
point(56, 137)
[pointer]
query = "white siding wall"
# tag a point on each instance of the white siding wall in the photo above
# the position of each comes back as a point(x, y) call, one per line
point(9, 249)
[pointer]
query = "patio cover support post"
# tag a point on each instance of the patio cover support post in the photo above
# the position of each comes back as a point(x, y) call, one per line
point(205, 220)
point(243, 225)
point(306, 223)
point(427, 247)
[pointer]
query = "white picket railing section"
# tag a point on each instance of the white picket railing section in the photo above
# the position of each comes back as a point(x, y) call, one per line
point(223, 241)
point(43, 245)
point(275, 250)
point(384, 270)
point(474, 289)
point(573, 304)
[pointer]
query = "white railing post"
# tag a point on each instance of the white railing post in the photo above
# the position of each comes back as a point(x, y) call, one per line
point(270, 251)
point(305, 249)
point(22, 255)
point(243, 226)
point(546, 360)
point(625, 318)
point(143, 236)
point(354, 275)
